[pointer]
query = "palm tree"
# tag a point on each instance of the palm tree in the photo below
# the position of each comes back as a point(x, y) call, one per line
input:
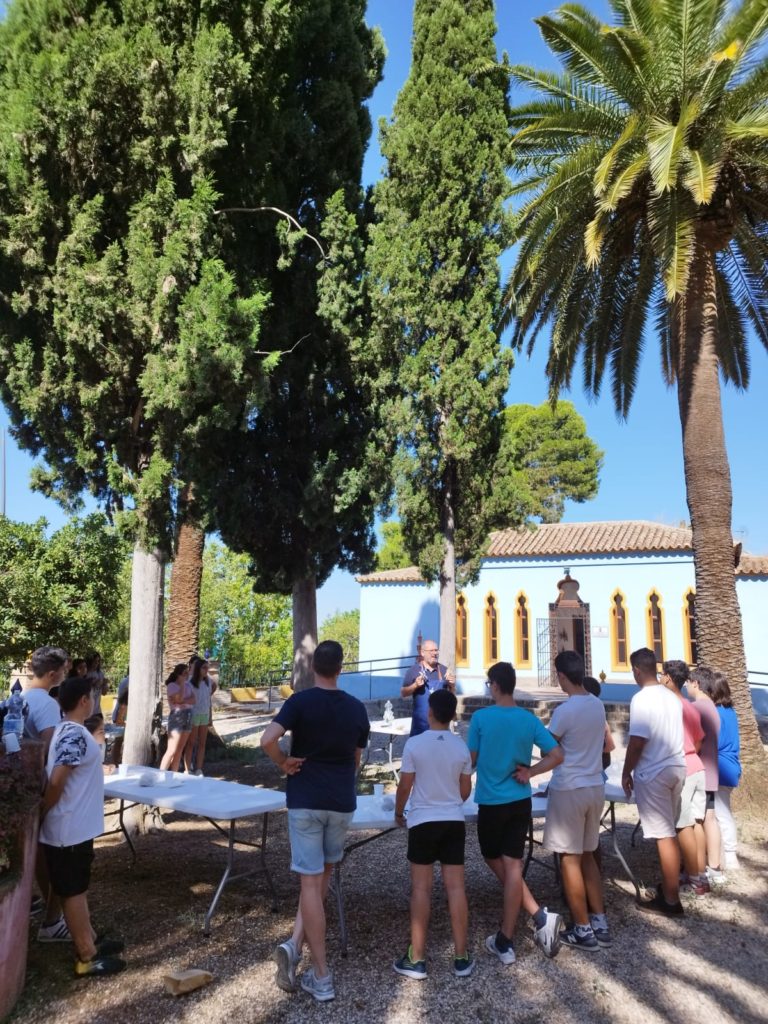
point(644, 172)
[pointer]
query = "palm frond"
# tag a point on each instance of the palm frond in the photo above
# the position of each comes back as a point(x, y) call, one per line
point(752, 124)
point(666, 145)
point(731, 334)
point(748, 24)
point(747, 271)
point(672, 226)
point(701, 177)
point(594, 236)
point(624, 183)
point(560, 86)
point(639, 15)
point(603, 172)
point(668, 331)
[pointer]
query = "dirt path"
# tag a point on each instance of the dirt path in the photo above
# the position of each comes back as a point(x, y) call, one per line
point(709, 967)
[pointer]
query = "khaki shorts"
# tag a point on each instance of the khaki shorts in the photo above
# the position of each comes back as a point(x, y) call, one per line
point(693, 800)
point(658, 801)
point(573, 819)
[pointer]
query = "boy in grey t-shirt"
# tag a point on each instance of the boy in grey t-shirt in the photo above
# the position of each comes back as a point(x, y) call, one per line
point(437, 775)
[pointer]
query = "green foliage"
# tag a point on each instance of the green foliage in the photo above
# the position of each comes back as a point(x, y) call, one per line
point(63, 589)
point(392, 553)
point(295, 485)
point(130, 309)
point(551, 457)
point(344, 627)
point(651, 145)
point(249, 633)
point(434, 264)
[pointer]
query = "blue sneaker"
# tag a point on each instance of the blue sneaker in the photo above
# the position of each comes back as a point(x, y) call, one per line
point(463, 965)
point(287, 958)
point(414, 969)
point(320, 989)
point(580, 939)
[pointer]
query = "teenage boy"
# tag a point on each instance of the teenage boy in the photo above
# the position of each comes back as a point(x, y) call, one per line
point(49, 668)
point(501, 739)
point(330, 731)
point(437, 775)
point(654, 769)
point(575, 806)
point(72, 817)
point(693, 799)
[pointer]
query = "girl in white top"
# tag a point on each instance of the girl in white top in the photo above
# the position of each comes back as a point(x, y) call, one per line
point(181, 700)
point(201, 714)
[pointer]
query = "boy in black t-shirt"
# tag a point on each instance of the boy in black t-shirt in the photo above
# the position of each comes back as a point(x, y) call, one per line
point(330, 731)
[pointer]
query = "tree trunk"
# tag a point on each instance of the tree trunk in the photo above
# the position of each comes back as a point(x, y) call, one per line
point(719, 637)
point(448, 584)
point(183, 633)
point(304, 632)
point(145, 659)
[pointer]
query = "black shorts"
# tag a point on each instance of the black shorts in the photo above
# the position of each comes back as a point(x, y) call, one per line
point(436, 840)
point(69, 867)
point(502, 829)
point(710, 804)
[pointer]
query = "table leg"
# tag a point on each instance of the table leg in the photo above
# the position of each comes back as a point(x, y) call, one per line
point(340, 907)
point(224, 879)
point(617, 850)
point(263, 859)
point(126, 833)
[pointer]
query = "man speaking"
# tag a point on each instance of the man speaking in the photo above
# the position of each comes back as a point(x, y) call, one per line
point(422, 679)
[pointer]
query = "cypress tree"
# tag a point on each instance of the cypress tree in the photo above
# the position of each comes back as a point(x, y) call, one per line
point(434, 263)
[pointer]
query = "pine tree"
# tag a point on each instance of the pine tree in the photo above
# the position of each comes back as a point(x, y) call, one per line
point(434, 263)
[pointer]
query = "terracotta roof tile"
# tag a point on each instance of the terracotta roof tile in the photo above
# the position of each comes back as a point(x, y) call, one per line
point(563, 539)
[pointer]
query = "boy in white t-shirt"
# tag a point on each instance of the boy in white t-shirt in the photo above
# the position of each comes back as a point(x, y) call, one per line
point(576, 797)
point(72, 817)
point(437, 775)
point(654, 769)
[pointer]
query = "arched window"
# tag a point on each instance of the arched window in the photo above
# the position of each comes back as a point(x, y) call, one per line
point(619, 619)
point(522, 632)
point(491, 645)
point(655, 625)
point(689, 626)
point(462, 631)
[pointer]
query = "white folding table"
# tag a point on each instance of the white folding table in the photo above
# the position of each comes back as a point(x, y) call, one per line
point(397, 727)
point(212, 799)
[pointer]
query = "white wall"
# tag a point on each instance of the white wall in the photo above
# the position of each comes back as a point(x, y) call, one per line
point(392, 615)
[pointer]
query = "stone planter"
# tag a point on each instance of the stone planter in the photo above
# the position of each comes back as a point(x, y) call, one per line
point(16, 893)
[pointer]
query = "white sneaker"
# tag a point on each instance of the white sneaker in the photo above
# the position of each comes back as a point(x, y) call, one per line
point(547, 938)
point(56, 932)
point(198, 771)
point(320, 988)
point(506, 954)
point(287, 958)
point(716, 876)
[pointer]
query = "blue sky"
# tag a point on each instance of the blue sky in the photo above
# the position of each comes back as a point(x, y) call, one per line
point(642, 475)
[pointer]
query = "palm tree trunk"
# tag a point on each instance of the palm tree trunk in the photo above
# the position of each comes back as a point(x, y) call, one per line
point(304, 632)
point(183, 630)
point(708, 486)
point(448, 582)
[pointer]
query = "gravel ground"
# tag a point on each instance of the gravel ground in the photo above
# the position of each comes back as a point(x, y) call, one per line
point(710, 966)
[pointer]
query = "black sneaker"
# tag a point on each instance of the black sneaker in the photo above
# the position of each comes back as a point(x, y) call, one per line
point(584, 940)
point(109, 947)
point(98, 965)
point(659, 905)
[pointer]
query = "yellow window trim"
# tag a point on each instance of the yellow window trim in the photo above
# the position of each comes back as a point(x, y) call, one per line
point(465, 605)
point(616, 665)
point(488, 658)
point(687, 646)
point(519, 661)
point(648, 625)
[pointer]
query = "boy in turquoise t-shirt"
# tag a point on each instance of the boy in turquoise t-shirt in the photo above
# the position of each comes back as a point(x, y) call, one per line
point(501, 738)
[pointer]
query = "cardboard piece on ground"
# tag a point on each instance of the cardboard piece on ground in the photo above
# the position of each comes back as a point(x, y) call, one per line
point(180, 982)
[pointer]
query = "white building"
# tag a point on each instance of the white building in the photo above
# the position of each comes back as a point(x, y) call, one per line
point(601, 588)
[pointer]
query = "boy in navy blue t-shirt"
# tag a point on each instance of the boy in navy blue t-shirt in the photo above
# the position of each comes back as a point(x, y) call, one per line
point(330, 730)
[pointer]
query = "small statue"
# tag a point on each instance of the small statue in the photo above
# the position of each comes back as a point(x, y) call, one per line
point(389, 714)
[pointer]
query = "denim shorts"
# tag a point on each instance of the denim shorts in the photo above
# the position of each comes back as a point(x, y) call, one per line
point(317, 838)
point(180, 720)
